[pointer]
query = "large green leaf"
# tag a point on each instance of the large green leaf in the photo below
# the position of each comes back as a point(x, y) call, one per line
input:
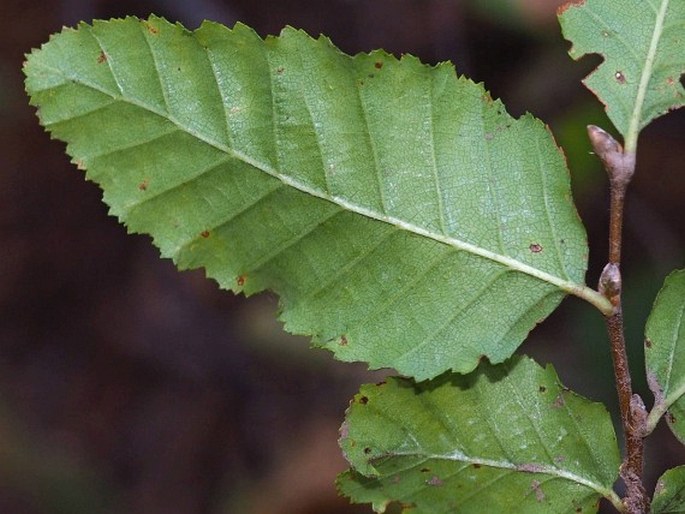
point(403, 217)
point(665, 354)
point(669, 494)
point(505, 438)
point(644, 56)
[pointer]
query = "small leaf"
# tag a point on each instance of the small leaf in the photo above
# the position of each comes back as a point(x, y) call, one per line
point(669, 495)
point(665, 353)
point(506, 438)
point(643, 47)
point(403, 217)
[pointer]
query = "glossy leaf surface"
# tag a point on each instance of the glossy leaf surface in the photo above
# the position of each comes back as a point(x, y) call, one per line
point(506, 438)
point(404, 218)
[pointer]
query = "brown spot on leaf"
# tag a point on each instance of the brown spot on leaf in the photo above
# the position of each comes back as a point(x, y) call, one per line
point(367, 450)
point(152, 30)
point(542, 389)
point(343, 341)
point(476, 465)
point(102, 57)
point(535, 248)
point(620, 77)
point(648, 343)
point(143, 185)
point(204, 234)
point(425, 470)
point(434, 481)
point(670, 417)
point(280, 70)
point(558, 402)
point(378, 65)
point(241, 280)
point(539, 494)
point(364, 400)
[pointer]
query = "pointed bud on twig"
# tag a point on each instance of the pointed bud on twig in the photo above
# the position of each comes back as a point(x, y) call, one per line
point(603, 142)
point(610, 283)
point(619, 165)
point(638, 414)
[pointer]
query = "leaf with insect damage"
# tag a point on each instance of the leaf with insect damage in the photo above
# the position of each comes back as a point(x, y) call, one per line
point(643, 46)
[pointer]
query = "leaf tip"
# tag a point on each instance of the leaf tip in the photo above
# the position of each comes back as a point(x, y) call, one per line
point(567, 5)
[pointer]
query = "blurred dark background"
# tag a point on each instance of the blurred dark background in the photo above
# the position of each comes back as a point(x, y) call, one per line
point(127, 387)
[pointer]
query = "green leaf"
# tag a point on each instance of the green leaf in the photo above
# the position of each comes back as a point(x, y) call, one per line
point(665, 354)
point(403, 217)
point(506, 438)
point(644, 56)
point(669, 495)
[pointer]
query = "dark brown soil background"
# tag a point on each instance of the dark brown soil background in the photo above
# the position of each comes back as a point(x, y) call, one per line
point(127, 387)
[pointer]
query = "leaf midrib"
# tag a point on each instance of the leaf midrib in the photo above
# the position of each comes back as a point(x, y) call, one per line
point(568, 286)
point(636, 117)
point(543, 469)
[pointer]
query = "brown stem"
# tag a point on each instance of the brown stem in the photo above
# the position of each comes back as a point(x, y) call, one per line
point(618, 195)
point(620, 167)
point(635, 501)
